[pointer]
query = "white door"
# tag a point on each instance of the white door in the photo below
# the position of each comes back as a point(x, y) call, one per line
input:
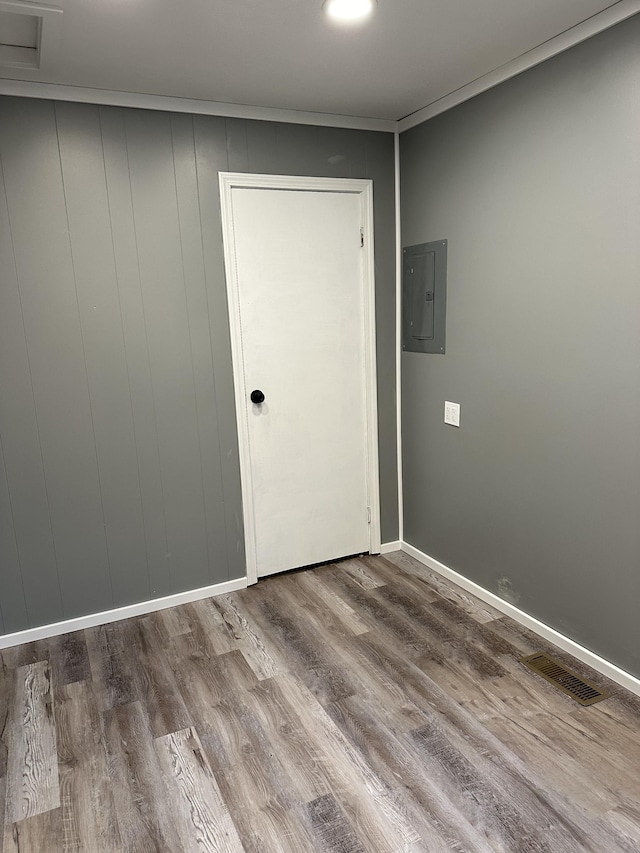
point(297, 284)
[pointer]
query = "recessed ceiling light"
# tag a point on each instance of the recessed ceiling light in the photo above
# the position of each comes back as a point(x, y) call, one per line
point(348, 10)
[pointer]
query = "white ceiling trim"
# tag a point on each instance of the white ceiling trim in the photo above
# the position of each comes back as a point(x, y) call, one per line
point(60, 92)
point(592, 26)
point(615, 14)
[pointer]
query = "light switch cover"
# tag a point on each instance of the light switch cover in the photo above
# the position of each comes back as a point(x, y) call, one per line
point(452, 413)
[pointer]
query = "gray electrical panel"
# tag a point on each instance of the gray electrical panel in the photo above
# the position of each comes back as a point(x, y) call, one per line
point(424, 297)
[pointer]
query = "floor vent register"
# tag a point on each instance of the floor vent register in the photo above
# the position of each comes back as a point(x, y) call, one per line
point(570, 683)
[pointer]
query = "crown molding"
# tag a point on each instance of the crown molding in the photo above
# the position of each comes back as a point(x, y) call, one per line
point(581, 32)
point(615, 14)
point(79, 94)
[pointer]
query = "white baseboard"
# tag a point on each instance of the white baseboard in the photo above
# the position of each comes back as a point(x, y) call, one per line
point(625, 679)
point(620, 676)
point(80, 622)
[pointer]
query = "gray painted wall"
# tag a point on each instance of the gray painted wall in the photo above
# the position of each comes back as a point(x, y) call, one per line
point(536, 185)
point(119, 474)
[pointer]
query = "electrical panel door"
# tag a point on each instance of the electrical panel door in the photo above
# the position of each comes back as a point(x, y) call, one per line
point(424, 297)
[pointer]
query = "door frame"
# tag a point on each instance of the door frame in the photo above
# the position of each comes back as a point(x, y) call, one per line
point(364, 189)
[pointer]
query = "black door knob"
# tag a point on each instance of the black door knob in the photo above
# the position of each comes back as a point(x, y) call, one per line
point(257, 396)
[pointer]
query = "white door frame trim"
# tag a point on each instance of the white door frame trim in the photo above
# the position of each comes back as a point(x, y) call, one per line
point(364, 189)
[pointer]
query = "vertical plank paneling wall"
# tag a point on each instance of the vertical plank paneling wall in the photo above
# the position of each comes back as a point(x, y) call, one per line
point(119, 477)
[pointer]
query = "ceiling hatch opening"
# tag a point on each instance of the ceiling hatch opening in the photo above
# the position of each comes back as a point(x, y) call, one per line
point(24, 29)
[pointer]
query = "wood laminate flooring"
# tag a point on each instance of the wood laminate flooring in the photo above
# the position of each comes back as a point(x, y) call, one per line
point(364, 706)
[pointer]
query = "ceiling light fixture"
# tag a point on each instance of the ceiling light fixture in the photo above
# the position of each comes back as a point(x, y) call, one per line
point(348, 10)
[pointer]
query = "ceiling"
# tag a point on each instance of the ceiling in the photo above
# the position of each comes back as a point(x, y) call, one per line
point(287, 54)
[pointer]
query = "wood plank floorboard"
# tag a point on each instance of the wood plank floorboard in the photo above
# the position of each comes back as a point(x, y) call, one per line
point(368, 706)
point(201, 817)
point(32, 758)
